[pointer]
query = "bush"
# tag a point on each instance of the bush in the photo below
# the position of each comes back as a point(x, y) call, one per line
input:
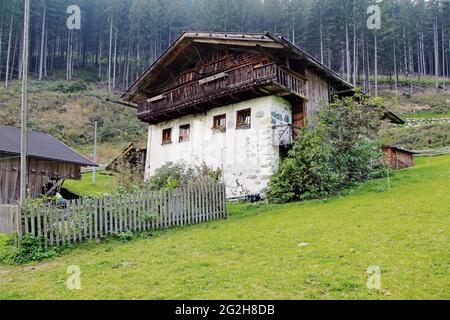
point(31, 249)
point(339, 151)
point(174, 175)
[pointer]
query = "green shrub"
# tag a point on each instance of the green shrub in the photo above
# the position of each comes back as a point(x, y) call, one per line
point(31, 249)
point(173, 175)
point(339, 151)
point(124, 236)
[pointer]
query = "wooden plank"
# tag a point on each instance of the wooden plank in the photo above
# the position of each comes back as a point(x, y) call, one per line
point(120, 214)
point(69, 222)
point(160, 210)
point(116, 223)
point(183, 207)
point(152, 210)
point(101, 228)
point(224, 202)
point(197, 205)
point(111, 215)
point(74, 221)
point(25, 216)
point(188, 205)
point(51, 223)
point(139, 211)
point(105, 216)
point(214, 200)
point(57, 226)
point(90, 220)
point(32, 223)
point(63, 226)
point(45, 224)
point(129, 213)
point(96, 219)
point(80, 221)
point(165, 208)
point(85, 227)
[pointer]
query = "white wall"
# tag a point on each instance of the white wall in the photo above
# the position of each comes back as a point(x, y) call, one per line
point(247, 157)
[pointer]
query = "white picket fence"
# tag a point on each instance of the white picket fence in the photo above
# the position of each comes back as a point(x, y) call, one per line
point(93, 219)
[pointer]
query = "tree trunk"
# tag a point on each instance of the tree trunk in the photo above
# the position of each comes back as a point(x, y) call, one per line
point(115, 60)
point(8, 56)
point(110, 54)
point(42, 53)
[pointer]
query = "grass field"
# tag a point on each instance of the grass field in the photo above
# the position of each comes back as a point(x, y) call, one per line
point(85, 187)
point(255, 254)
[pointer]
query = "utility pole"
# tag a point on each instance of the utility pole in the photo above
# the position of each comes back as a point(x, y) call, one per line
point(23, 114)
point(94, 173)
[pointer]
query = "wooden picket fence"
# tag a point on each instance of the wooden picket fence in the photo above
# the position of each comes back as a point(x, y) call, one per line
point(93, 219)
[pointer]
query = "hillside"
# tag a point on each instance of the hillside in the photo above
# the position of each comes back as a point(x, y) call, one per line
point(310, 250)
point(67, 109)
point(427, 115)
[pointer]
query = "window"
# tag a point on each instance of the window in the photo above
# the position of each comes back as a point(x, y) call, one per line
point(167, 136)
point(220, 123)
point(185, 132)
point(243, 119)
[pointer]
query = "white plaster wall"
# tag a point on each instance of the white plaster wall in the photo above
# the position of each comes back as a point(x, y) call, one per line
point(247, 157)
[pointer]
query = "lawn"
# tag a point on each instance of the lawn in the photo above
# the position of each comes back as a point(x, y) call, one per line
point(255, 254)
point(426, 115)
point(85, 187)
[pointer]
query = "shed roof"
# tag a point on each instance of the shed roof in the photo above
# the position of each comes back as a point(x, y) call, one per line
point(399, 149)
point(40, 145)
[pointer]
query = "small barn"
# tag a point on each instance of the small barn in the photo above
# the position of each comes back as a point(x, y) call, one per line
point(50, 162)
point(132, 157)
point(398, 158)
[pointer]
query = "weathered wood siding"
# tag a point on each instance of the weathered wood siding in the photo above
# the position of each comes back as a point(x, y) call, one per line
point(39, 171)
point(397, 159)
point(317, 92)
point(9, 216)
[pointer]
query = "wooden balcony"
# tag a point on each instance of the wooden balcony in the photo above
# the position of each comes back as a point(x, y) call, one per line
point(232, 86)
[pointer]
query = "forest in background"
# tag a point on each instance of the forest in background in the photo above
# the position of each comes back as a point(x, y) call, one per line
point(119, 38)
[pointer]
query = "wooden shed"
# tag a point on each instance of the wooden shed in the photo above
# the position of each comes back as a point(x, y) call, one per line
point(398, 158)
point(132, 157)
point(50, 162)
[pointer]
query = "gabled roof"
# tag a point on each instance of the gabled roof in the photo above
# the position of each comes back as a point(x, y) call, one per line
point(40, 145)
point(267, 42)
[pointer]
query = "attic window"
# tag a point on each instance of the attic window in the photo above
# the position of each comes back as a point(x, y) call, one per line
point(244, 119)
point(185, 133)
point(220, 123)
point(167, 136)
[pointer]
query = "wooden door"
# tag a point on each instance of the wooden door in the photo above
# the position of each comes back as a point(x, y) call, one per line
point(298, 115)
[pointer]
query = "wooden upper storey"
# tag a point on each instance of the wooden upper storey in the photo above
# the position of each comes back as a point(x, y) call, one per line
point(202, 71)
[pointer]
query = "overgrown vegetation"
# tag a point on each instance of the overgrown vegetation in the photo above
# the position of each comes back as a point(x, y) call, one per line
point(173, 175)
point(339, 151)
point(428, 136)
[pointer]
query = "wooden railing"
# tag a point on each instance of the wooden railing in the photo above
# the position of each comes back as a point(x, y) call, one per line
point(228, 82)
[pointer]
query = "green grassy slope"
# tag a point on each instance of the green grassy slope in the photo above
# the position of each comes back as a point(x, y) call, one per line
point(256, 254)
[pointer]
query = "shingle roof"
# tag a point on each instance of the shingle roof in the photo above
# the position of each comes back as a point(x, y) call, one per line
point(40, 145)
